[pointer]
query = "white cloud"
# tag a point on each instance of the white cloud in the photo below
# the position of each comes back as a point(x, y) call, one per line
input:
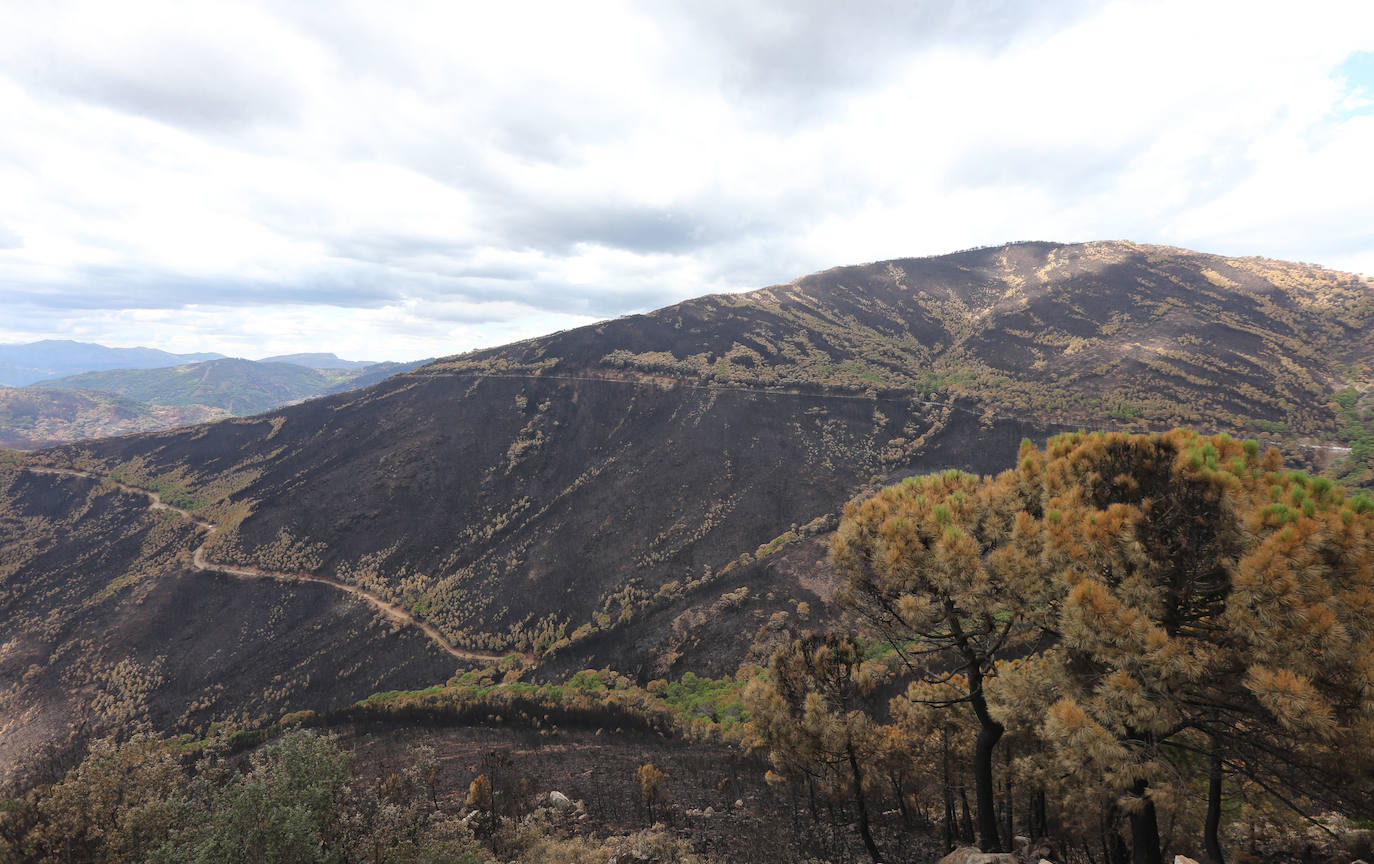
point(434, 177)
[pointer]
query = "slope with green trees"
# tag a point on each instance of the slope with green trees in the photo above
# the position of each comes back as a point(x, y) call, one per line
point(235, 385)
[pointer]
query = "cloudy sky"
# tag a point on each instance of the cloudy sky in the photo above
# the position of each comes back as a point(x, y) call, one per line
point(399, 180)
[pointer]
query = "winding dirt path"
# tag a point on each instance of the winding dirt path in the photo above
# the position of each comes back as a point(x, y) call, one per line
point(201, 564)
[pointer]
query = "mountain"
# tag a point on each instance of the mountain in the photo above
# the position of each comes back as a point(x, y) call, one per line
point(236, 385)
point(26, 363)
point(374, 373)
point(123, 401)
point(1088, 332)
point(319, 361)
point(231, 384)
point(33, 417)
point(651, 493)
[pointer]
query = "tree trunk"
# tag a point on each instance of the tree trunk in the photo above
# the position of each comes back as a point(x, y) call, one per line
point(968, 818)
point(1145, 829)
point(1039, 819)
point(1010, 820)
point(989, 733)
point(950, 816)
point(1211, 840)
point(902, 803)
point(1088, 853)
point(857, 778)
point(1116, 853)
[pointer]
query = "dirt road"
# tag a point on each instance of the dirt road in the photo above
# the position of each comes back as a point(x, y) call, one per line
point(201, 564)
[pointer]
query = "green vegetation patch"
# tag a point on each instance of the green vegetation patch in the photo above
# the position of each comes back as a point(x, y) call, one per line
point(692, 706)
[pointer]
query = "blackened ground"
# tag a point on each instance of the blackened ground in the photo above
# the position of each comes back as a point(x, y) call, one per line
point(772, 823)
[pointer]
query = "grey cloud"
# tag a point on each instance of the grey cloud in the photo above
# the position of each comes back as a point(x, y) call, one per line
point(204, 101)
point(629, 227)
point(357, 285)
point(194, 81)
point(95, 289)
point(395, 248)
point(796, 55)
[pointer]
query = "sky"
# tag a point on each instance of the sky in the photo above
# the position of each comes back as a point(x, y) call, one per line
point(405, 179)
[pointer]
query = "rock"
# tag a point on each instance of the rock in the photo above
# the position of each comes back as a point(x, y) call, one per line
point(970, 855)
point(739, 802)
point(559, 801)
point(1183, 859)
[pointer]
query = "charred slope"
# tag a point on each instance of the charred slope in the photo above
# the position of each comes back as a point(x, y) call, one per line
point(587, 522)
point(105, 626)
point(513, 512)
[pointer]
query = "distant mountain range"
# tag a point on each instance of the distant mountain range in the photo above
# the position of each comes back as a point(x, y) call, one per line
point(238, 386)
point(26, 363)
point(157, 390)
point(319, 361)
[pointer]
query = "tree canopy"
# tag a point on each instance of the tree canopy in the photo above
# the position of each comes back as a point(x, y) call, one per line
point(1170, 605)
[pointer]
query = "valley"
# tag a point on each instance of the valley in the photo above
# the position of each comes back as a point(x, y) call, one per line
point(117, 401)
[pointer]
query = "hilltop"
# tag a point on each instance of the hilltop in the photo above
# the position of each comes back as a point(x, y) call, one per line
point(1088, 332)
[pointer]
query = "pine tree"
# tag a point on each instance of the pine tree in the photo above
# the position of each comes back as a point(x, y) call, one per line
point(815, 712)
point(650, 785)
point(1215, 612)
point(946, 569)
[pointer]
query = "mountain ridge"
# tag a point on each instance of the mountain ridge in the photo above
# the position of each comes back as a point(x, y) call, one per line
point(941, 337)
point(234, 384)
point(319, 360)
point(25, 363)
